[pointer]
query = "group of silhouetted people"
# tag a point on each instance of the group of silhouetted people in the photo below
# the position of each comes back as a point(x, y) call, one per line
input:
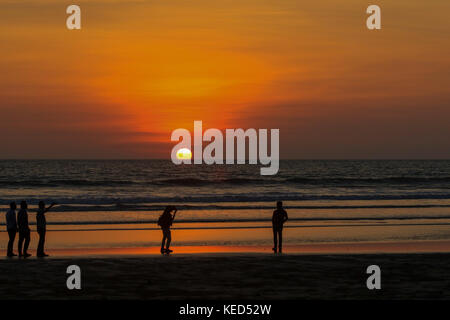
point(279, 217)
point(19, 223)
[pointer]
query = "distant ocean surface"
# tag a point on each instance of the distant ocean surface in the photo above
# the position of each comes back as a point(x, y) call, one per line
point(115, 182)
point(132, 193)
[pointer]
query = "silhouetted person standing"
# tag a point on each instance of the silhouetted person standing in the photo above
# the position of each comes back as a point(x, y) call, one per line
point(11, 227)
point(278, 219)
point(165, 222)
point(41, 225)
point(24, 230)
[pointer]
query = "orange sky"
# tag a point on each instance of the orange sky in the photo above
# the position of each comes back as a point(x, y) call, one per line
point(139, 69)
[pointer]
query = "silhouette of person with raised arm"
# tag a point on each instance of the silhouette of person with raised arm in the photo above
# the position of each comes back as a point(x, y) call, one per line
point(24, 230)
point(278, 219)
point(165, 222)
point(11, 227)
point(41, 225)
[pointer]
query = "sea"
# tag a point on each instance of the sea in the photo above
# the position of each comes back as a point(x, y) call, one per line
point(326, 200)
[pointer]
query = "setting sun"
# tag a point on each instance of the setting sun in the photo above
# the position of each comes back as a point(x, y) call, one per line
point(184, 154)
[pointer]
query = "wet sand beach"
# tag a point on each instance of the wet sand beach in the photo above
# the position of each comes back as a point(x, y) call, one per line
point(233, 273)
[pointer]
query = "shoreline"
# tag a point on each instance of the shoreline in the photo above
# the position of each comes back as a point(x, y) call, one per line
point(342, 248)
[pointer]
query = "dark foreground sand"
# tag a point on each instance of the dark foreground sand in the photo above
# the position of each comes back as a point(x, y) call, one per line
point(230, 276)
